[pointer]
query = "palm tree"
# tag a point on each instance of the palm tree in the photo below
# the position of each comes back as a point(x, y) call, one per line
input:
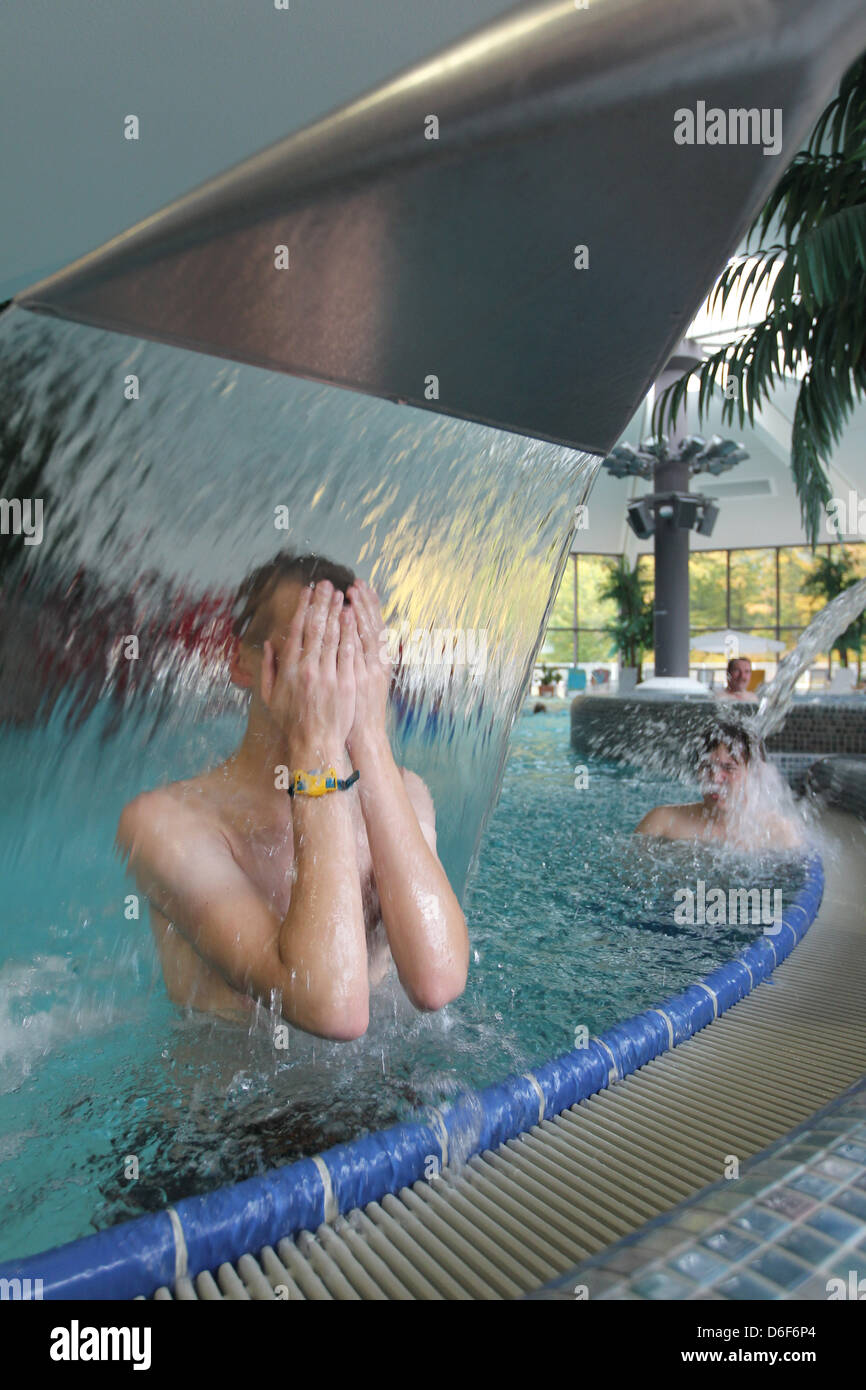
point(816, 317)
point(829, 578)
point(632, 629)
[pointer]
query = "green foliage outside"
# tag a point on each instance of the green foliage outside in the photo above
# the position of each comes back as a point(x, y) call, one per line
point(632, 627)
point(806, 584)
point(832, 575)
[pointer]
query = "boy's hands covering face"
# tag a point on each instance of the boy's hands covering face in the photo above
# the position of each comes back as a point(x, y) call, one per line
point(372, 668)
point(310, 689)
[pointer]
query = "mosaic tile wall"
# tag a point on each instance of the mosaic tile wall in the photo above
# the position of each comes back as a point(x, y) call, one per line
point(619, 726)
point(822, 727)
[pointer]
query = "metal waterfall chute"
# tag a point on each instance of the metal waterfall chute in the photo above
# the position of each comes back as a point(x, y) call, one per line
point(432, 228)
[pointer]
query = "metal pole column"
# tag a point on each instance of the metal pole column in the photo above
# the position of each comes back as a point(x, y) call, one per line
point(671, 618)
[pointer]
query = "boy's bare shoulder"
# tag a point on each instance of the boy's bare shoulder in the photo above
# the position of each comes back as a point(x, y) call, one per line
point(177, 807)
point(665, 821)
point(653, 822)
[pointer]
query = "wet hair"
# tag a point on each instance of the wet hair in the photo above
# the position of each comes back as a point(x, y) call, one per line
point(724, 733)
point(734, 659)
point(252, 602)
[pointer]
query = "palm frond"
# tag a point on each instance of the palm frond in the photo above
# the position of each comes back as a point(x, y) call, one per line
point(815, 321)
point(845, 115)
point(810, 478)
point(824, 260)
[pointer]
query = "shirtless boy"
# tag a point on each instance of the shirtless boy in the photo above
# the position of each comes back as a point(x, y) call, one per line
point(726, 762)
point(301, 902)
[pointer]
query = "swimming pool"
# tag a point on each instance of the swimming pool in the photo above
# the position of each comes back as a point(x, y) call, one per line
point(571, 924)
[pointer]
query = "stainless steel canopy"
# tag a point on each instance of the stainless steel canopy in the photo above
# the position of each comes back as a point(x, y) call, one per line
point(453, 258)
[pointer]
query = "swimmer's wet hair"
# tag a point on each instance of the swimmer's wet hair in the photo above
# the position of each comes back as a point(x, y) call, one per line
point(724, 733)
point(251, 606)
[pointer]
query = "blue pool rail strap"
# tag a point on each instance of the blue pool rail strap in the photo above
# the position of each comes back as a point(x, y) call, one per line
point(201, 1233)
point(118, 1263)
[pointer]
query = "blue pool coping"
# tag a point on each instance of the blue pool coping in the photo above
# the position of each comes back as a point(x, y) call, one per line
point(201, 1233)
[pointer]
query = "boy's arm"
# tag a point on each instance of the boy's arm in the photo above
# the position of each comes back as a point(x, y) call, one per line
point(303, 965)
point(423, 920)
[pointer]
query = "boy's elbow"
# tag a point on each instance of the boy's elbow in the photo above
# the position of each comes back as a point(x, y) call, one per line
point(433, 993)
point(347, 1026)
point(336, 1021)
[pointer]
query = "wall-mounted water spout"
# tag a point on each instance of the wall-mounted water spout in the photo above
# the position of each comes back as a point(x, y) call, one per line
point(516, 231)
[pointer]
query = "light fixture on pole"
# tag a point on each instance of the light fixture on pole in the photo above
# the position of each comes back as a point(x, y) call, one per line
point(685, 511)
point(668, 513)
point(640, 518)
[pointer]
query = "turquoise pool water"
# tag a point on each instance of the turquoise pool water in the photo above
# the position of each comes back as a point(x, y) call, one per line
point(571, 922)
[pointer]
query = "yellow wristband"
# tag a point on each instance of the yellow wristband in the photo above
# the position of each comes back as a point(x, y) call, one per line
point(318, 783)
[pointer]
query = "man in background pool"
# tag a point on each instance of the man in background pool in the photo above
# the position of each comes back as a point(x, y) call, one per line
point(739, 675)
point(301, 902)
point(740, 806)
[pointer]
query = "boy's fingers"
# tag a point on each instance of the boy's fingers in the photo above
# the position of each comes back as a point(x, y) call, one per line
point(332, 627)
point(316, 619)
point(360, 665)
point(362, 616)
point(292, 649)
point(348, 641)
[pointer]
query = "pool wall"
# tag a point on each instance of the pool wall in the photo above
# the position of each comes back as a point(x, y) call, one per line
point(840, 782)
point(617, 726)
point(201, 1233)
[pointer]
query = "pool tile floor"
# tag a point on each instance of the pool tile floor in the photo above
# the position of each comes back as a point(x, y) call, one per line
point(793, 1221)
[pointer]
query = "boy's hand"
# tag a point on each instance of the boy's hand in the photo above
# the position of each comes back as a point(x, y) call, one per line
point(310, 691)
point(372, 670)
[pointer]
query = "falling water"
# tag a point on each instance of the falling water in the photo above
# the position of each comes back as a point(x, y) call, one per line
point(155, 506)
point(155, 509)
point(820, 636)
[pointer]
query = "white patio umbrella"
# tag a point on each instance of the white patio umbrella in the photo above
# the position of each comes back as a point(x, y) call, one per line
point(730, 643)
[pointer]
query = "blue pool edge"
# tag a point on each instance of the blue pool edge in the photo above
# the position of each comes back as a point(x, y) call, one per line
point(200, 1233)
